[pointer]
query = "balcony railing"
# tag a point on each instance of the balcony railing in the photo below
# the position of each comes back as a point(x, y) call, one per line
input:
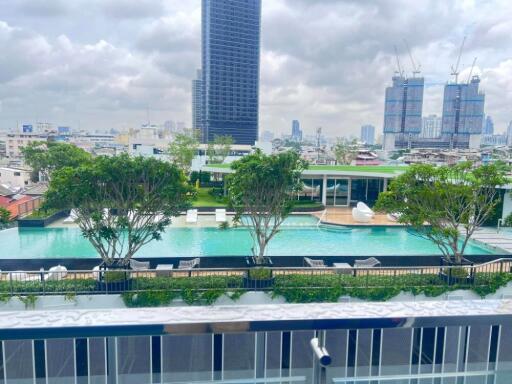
point(302, 284)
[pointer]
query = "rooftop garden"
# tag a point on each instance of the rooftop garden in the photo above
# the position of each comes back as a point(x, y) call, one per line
point(348, 168)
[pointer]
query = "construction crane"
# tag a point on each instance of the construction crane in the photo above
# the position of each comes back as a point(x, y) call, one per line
point(415, 68)
point(455, 70)
point(471, 70)
point(399, 70)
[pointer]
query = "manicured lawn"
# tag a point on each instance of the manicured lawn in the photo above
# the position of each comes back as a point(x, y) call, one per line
point(204, 199)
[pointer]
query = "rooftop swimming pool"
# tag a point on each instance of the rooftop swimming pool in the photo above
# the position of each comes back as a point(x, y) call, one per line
point(298, 237)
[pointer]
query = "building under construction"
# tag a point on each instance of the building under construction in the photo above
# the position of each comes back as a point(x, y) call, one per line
point(402, 112)
point(463, 112)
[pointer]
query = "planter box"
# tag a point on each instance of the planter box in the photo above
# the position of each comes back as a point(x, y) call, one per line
point(258, 284)
point(446, 274)
point(114, 286)
point(42, 222)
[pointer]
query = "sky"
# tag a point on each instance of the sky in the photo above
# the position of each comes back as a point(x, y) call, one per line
point(101, 64)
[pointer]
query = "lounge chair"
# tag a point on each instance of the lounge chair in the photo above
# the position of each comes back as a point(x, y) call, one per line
point(220, 215)
point(314, 263)
point(136, 265)
point(57, 272)
point(189, 264)
point(393, 216)
point(71, 218)
point(367, 263)
point(191, 216)
point(362, 213)
point(364, 208)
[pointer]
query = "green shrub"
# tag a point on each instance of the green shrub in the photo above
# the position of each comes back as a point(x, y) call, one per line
point(508, 221)
point(260, 274)
point(114, 276)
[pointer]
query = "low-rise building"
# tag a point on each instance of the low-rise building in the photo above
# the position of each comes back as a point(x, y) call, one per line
point(14, 142)
point(15, 177)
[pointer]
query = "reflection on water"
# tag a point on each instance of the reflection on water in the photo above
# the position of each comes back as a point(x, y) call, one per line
point(290, 241)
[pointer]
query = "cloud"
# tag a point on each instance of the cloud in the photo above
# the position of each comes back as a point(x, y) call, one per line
point(43, 8)
point(324, 62)
point(131, 9)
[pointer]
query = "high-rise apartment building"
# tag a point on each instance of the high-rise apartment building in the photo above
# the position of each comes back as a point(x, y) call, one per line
point(197, 101)
point(488, 127)
point(368, 134)
point(509, 134)
point(231, 67)
point(431, 128)
point(296, 131)
point(402, 112)
point(463, 110)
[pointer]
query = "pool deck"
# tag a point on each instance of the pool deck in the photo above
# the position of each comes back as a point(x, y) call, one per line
point(490, 237)
point(343, 216)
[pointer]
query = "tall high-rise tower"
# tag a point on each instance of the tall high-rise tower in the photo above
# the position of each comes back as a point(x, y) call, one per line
point(296, 131)
point(368, 134)
point(197, 101)
point(463, 112)
point(488, 126)
point(402, 112)
point(231, 68)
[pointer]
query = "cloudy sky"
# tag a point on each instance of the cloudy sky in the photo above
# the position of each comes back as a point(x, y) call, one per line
point(103, 63)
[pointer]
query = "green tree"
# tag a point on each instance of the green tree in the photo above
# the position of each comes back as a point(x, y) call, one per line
point(45, 158)
point(262, 188)
point(444, 204)
point(5, 216)
point(121, 203)
point(345, 151)
point(183, 149)
point(219, 149)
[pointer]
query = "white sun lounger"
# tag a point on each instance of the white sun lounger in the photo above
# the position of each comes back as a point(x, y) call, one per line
point(71, 218)
point(191, 216)
point(362, 213)
point(220, 215)
point(54, 273)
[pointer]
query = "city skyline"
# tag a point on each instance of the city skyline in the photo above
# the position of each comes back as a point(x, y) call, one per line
point(110, 77)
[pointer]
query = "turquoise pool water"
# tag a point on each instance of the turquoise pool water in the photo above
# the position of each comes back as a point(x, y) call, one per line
point(300, 240)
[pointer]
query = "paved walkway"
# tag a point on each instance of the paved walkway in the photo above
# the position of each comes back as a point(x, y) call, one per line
point(490, 237)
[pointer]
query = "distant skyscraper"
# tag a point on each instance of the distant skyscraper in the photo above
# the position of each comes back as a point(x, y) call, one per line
point(463, 110)
point(231, 67)
point(368, 134)
point(509, 134)
point(197, 101)
point(402, 112)
point(267, 136)
point(180, 126)
point(296, 132)
point(488, 127)
point(431, 127)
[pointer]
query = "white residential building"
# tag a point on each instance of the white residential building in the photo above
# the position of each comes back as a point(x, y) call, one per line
point(14, 142)
point(15, 177)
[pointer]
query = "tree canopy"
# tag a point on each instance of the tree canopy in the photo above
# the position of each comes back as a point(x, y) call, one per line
point(345, 151)
point(183, 149)
point(219, 149)
point(444, 204)
point(262, 188)
point(5, 216)
point(121, 203)
point(45, 157)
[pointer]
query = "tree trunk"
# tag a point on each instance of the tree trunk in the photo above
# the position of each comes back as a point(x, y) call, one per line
point(260, 258)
